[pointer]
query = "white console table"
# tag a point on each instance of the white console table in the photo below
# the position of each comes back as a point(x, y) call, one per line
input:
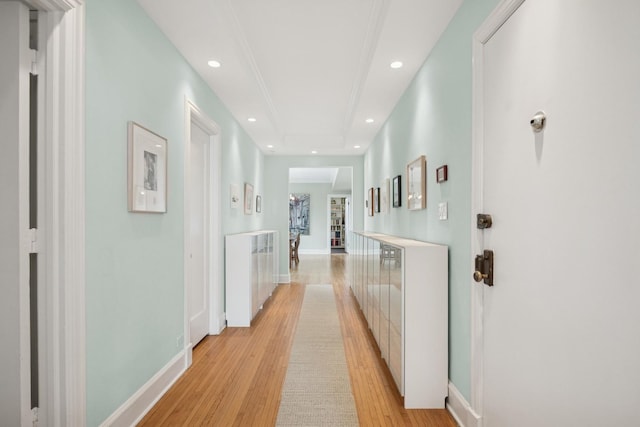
point(250, 274)
point(402, 288)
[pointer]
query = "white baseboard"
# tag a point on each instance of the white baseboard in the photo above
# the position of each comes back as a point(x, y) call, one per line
point(284, 278)
point(218, 325)
point(460, 409)
point(136, 407)
point(314, 251)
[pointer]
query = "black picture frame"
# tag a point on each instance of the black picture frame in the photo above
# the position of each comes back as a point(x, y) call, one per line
point(397, 191)
point(442, 174)
point(376, 200)
point(370, 209)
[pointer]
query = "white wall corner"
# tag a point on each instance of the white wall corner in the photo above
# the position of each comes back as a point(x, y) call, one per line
point(460, 409)
point(136, 407)
point(219, 323)
point(284, 278)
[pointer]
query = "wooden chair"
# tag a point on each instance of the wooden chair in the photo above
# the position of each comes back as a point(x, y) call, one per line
point(293, 250)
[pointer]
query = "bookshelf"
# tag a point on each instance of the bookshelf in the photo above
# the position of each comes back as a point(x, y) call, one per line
point(337, 222)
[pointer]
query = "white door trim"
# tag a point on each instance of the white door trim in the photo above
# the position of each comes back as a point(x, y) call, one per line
point(498, 17)
point(216, 292)
point(61, 60)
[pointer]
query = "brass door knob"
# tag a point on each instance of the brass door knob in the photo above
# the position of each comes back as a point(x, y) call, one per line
point(478, 276)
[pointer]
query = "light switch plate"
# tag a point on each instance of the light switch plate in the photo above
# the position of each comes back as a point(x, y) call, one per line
point(443, 210)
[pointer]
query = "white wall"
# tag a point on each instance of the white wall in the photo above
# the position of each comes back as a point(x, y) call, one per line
point(14, 39)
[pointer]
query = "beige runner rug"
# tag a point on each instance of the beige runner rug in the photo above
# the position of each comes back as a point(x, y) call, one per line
point(317, 390)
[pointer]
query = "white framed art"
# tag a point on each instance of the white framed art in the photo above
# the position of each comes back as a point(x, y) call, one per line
point(147, 170)
point(417, 184)
point(248, 198)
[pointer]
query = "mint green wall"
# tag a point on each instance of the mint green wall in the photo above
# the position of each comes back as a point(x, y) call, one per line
point(318, 238)
point(433, 118)
point(135, 271)
point(276, 200)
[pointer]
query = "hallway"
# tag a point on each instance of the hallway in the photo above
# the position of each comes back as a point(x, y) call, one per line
point(236, 377)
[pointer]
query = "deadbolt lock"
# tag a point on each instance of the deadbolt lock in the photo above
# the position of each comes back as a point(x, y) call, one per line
point(484, 221)
point(484, 268)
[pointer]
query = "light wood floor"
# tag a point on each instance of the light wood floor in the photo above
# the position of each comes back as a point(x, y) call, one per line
point(236, 377)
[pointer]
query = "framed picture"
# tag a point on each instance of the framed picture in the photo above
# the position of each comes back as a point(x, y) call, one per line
point(258, 204)
point(417, 184)
point(396, 192)
point(376, 200)
point(384, 196)
point(300, 213)
point(441, 174)
point(370, 202)
point(248, 199)
point(147, 170)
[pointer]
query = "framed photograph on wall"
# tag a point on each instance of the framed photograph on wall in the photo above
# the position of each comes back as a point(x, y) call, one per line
point(396, 192)
point(370, 202)
point(300, 213)
point(417, 184)
point(147, 170)
point(376, 200)
point(384, 196)
point(442, 174)
point(248, 199)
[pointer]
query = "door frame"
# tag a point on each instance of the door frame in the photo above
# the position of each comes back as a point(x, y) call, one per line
point(195, 115)
point(60, 239)
point(483, 34)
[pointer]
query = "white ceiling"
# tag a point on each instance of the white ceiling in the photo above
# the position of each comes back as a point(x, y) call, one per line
point(310, 72)
point(339, 178)
point(312, 175)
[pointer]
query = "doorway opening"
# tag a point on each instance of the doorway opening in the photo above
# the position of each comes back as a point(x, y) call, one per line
point(326, 230)
point(337, 227)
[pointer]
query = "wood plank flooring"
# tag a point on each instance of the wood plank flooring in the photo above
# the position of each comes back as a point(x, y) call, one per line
point(236, 377)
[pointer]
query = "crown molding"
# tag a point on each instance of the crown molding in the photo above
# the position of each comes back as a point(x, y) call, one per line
point(374, 30)
point(243, 44)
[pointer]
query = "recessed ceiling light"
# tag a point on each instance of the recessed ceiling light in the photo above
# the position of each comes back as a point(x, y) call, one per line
point(369, 120)
point(396, 64)
point(314, 152)
point(269, 146)
point(252, 119)
point(214, 64)
point(356, 146)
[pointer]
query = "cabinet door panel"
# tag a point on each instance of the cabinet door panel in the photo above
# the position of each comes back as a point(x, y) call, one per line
point(395, 318)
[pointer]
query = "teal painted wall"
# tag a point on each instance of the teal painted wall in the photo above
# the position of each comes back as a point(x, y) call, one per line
point(135, 271)
point(276, 201)
point(433, 118)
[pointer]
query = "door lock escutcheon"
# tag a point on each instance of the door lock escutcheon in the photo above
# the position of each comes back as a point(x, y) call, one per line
point(484, 268)
point(484, 221)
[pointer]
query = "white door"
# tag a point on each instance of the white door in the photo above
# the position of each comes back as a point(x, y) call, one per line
point(198, 186)
point(562, 321)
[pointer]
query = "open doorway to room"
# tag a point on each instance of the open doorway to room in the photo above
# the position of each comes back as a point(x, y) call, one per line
point(338, 223)
point(321, 185)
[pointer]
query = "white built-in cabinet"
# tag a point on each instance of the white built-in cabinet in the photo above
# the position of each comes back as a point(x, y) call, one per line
point(402, 288)
point(250, 274)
